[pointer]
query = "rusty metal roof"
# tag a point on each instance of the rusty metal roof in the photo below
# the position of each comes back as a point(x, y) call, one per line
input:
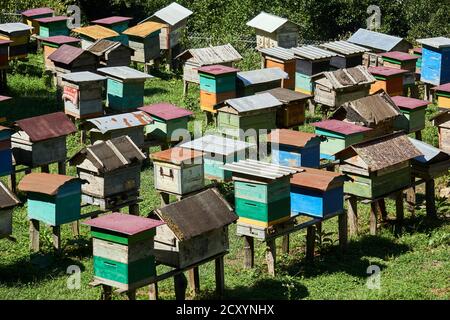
point(67, 54)
point(145, 29)
point(340, 127)
point(61, 40)
point(52, 19)
point(285, 95)
point(211, 55)
point(345, 78)
point(409, 103)
point(259, 169)
point(172, 14)
point(176, 155)
point(37, 12)
point(291, 137)
point(443, 87)
point(45, 183)
point(127, 224)
point(119, 121)
point(110, 21)
point(344, 48)
point(96, 32)
point(197, 215)
point(317, 179)
point(7, 198)
point(47, 126)
point(125, 73)
point(166, 111)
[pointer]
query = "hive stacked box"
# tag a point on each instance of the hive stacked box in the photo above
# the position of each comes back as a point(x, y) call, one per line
point(53, 26)
point(443, 96)
point(388, 79)
point(414, 111)
point(403, 61)
point(51, 44)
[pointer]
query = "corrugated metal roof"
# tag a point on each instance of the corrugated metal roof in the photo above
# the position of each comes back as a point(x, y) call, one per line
point(66, 54)
point(176, 155)
point(310, 52)
point(252, 77)
point(344, 48)
point(145, 29)
point(259, 169)
point(409, 103)
point(429, 153)
point(121, 121)
point(7, 198)
point(111, 20)
point(166, 111)
point(61, 40)
point(197, 215)
point(45, 183)
point(254, 102)
point(47, 126)
point(37, 12)
point(286, 95)
point(340, 127)
point(84, 76)
point(437, 42)
point(217, 144)
point(291, 137)
point(172, 14)
point(217, 69)
point(211, 55)
point(343, 78)
point(317, 179)
point(101, 46)
point(51, 19)
point(125, 73)
point(443, 87)
point(12, 27)
point(96, 32)
point(278, 52)
point(127, 224)
point(267, 22)
point(398, 55)
point(376, 40)
point(386, 71)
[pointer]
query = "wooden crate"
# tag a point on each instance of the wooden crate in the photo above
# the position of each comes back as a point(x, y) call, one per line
point(388, 79)
point(284, 35)
point(217, 79)
point(40, 153)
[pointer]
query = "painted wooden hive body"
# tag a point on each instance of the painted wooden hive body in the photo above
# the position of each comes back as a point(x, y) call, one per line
point(7, 203)
point(19, 34)
point(349, 55)
point(116, 23)
point(126, 124)
point(442, 121)
point(432, 164)
point(110, 167)
point(178, 170)
point(442, 94)
point(170, 123)
point(282, 58)
point(183, 241)
point(273, 31)
point(317, 193)
point(338, 135)
point(52, 198)
point(51, 44)
point(4, 107)
point(217, 84)
point(53, 26)
point(435, 67)
point(261, 192)
point(4, 53)
point(418, 53)
point(251, 82)
point(90, 34)
point(379, 42)
point(414, 111)
point(217, 152)
point(125, 88)
point(111, 53)
point(294, 148)
point(292, 112)
point(378, 167)
point(68, 58)
point(5, 151)
point(29, 17)
point(144, 40)
point(82, 94)
point(244, 117)
point(334, 88)
point(42, 139)
point(388, 79)
point(402, 61)
point(123, 249)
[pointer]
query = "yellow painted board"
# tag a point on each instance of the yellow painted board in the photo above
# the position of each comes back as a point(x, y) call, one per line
point(261, 223)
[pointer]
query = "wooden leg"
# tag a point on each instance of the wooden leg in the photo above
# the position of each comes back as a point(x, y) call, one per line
point(165, 199)
point(13, 182)
point(56, 231)
point(180, 283)
point(382, 208)
point(373, 218)
point(106, 292)
point(194, 280)
point(271, 256)
point(311, 107)
point(34, 235)
point(62, 167)
point(45, 168)
point(83, 136)
point(418, 135)
point(249, 252)
point(430, 198)
point(220, 276)
point(285, 244)
point(76, 228)
point(133, 209)
point(185, 88)
point(153, 291)
point(352, 213)
point(343, 235)
point(310, 242)
point(399, 210)
point(131, 295)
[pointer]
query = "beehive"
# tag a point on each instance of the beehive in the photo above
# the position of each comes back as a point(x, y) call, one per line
point(403, 61)
point(111, 53)
point(414, 111)
point(379, 42)
point(67, 59)
point(19, 34)
point(442, 122)
point(118, 24)
point(349, 55)
point(442, 93)
point(7, 203)
point(282, 58)
point(435, 67)
point(51, 44)
point(90, 34)
point(144, 40)
point(388, 79)
point(29, 17)
point(432, 164)
point(53, 26)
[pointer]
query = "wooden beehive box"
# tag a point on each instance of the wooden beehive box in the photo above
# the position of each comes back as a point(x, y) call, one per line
point(170, 123)
point(403, 61)
point(67, 59)
point(82, 94)
point(4, 53)
point(251, 82)
point(376, 111)
point(379, 42)
point(295, 148)
point(111, 53)
point(278, 57)
point(19, 34)
point(183, 241)
point(90, 34)
point(414, 111)
point(338, 135)
point(178, 171)
point(41, 140)
point(123, 249)
point(51, 44)
point(442, 122)
point(116, 23)
point(261, 192)
point(378, 167)
point(418, 53)
point(7, 203)
point(52, 198)
point(273, 31)
point(334, 88)
point(129, 124)
point(442, 94)
point(53, 26)
point(243, 116)
point(4, 107)
point(317, 193)
point(144, 40)
point(435, 67)
point(388, 79)
point(29, 17)
point(292, 112)
point(217, 152)
point(110, 168)
point(125, 88)
point(217, 84)
point(5, 151)
point(432, 164)
point(349, 55)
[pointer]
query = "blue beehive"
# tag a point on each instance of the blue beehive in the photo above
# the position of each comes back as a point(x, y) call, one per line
point(5, 151)
point(294, 148)
point(435, 67)
point(317, 193)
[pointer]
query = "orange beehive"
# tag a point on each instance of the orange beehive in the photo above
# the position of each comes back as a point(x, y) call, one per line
point(208, 100)
point(388, 79)
point(281, 58)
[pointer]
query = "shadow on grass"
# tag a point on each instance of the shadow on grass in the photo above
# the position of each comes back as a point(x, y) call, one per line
point(26, 107)
point(154, 91)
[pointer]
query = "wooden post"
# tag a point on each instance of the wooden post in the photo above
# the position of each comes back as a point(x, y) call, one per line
point(165, 199)
point(131, 294)
point(185, 88)
point(34, 235)
point(418, 135)
point(62, 167)
point(153, 291)
point(285, 244)
point(373, 218)
point(271, 256)
point(382, 208)
point(12, 181)
point(194, 280)
point(83, 136)
point(56, 231)
point(180, 283)
point(249, 252)
point(411, 200)
point(76, 228)
point(311, 107)
point(220, 276)
point(399, 210)
point(45, 168)
point(310, 242)
point(106, 292)
point(343, 236)
point(352, 214)
point(430, 198)
point(133, 209)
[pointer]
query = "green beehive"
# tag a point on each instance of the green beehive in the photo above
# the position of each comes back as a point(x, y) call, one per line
point(414, 111)
point(53, 26)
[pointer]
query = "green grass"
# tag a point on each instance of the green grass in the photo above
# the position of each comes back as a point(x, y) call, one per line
point(414, 265)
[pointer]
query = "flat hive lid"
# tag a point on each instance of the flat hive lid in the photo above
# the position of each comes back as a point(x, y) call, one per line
point(176, 155)
point(409, 103)
point(125, 73)
point(4, 98)
point(217, 144)
point(291, 137)
point(260, 169)
point(37, 12)
point(437, 42)
point(386, 71)
point(61, 40)
point(341, 127)
point(84, 76)
point(96, 32)
point(166, 111)
point(286, 95)
point(45, 183)
point(400, 56)
point(217, 69)
point(111, 20)
point(52, 19)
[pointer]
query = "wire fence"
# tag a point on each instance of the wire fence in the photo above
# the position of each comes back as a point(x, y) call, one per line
point(7, 17)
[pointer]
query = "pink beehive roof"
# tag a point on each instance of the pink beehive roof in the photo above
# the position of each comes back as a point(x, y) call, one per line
point(111, 20)
point(166, 111)
point(52, 19)
point(409, 103)
point(400, 56)
point(3, 42)
point(386, 71)
point(217, 69)
point(36, 12)
point(4, 98)
point(340, 127)
point(443, 87)
point(61, 40)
